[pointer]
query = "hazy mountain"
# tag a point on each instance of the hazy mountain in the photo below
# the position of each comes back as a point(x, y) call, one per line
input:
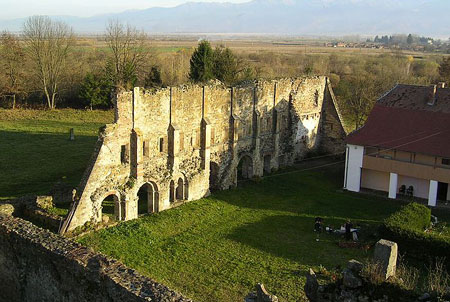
point(297, 17)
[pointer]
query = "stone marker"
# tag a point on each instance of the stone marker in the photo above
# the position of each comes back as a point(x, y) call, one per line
point(263, 295)
point(311, 286)
point(351, 280)
point(6, 209)
point(71, 134)
point(44, 202)
point(386, 255)
point(355, 266)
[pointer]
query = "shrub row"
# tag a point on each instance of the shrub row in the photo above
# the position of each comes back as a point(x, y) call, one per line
point(408, 227)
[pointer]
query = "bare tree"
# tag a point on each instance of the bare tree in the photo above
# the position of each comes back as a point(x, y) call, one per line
point(48, 45)
point(129, 55)
point(13, 57)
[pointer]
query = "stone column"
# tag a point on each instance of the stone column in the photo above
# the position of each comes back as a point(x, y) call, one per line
point(432, 193)
point(393, 180)
point(448, 193)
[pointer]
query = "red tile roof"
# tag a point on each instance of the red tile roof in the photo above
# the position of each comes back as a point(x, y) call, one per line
point(402, 120)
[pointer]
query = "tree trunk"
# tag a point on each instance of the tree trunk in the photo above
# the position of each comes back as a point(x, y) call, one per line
point(14, 101)
point(53, 100)
point(47, 95)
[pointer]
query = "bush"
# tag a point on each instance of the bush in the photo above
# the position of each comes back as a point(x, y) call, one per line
point(413, 216)
point(408, 227)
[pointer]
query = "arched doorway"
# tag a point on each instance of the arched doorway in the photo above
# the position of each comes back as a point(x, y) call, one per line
point(180, 189)
point(148, 198)
point(112, 208)
point(213, 176)
point(267, 168)
point(245, 168)
point(172, 192)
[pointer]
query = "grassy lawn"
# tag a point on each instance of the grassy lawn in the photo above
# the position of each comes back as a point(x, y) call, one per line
point(35, 151)
point(218, 248)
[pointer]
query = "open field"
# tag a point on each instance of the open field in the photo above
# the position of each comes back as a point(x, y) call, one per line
point(35, 150)
point(169, 44)
point(218, 248)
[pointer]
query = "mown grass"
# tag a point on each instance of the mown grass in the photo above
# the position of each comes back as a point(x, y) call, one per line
point(218, 248)
point(35, 150)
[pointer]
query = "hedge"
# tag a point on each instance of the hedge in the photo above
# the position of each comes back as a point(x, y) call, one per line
point(407, 228)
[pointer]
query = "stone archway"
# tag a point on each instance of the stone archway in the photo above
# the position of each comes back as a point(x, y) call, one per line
point(179, 192)
point(245, 168)
point(112, 207)
point(213, 176)
point(148, 198)
point(172, 192)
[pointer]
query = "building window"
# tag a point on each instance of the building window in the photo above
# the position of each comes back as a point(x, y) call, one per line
point(124, 154)
point(161, 144)
point(145, 148)
point(446, 161)
point(316, 98)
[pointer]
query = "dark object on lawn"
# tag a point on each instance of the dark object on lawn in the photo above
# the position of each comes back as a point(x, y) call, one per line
point(348, 230)
point(71, 134)
point(402, 189)
point(410, 191)
point(318, 224)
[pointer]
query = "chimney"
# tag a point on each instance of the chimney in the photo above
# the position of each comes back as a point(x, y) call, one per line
point(432, 97)
point(441, 85)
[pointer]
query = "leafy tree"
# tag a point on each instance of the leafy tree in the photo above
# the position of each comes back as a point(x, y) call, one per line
point(444, 70)
point(202, 63)
point(13, 57)
point(48, 44)
point(153, 78)
point(96, 91)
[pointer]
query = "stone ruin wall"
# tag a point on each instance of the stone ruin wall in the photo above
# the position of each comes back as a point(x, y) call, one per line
point(179, 142)
point(38, 265)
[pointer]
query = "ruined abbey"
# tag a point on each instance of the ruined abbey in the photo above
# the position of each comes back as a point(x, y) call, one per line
point(172, 145)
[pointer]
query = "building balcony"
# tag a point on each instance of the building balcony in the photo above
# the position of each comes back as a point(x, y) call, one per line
point(416, 170)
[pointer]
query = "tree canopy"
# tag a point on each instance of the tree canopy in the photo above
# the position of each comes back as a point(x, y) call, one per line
point(202, 63)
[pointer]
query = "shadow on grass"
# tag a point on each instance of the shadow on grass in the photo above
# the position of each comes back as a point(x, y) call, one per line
point(293, 237)
point(313, 193)
point(32, 163)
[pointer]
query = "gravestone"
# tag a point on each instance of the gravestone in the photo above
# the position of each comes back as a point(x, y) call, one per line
point(44, 202)
point(385, 255)
point(71, 134)
point(263, 295)
point(6, 209)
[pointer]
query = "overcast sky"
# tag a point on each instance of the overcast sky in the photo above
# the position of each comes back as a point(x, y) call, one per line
point(10, 9)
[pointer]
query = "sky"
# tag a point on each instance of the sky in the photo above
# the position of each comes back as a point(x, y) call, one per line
point(11, 9)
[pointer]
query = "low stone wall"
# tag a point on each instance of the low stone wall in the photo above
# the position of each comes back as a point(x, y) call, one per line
point(37, 265)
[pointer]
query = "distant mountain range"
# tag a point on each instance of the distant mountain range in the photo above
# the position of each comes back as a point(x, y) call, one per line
point(292, 17)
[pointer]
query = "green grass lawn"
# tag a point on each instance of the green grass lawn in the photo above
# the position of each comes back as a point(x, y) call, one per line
point(35, 151)
point(218, 248)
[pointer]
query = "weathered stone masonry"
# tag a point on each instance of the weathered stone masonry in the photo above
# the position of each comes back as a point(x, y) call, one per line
point(175, 144)
point(38, 265)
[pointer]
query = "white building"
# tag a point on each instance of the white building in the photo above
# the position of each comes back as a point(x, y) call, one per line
point(404, 147)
